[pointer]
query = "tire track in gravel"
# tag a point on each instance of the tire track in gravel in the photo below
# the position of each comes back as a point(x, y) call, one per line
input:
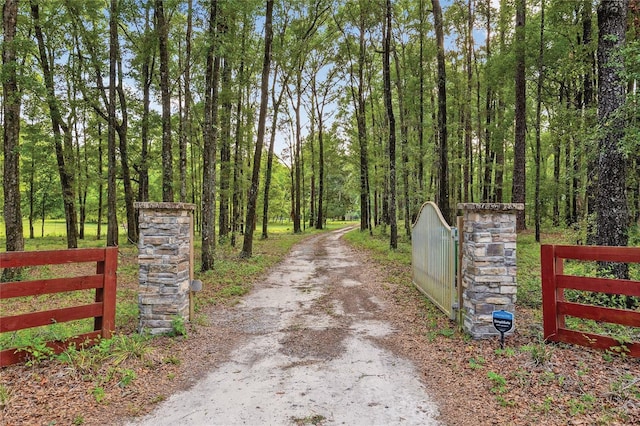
point(310, 353)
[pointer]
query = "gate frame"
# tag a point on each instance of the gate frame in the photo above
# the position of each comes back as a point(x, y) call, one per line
point(453, 275)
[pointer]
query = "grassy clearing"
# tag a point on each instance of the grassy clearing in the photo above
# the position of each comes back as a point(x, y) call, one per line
point(53, 232)
point(378, 245)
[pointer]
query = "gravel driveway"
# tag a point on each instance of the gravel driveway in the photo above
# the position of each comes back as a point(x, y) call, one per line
point(315, 353)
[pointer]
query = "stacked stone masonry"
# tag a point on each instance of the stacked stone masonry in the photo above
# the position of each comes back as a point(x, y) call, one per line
point(164, 259)
point(488, 264)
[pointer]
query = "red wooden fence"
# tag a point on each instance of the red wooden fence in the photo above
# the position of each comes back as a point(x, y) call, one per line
point(555, 307)
point(103, 309)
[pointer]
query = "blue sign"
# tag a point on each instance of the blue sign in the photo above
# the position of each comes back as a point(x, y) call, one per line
point(502, 321)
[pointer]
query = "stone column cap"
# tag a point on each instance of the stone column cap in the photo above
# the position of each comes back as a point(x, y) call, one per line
point(501, 207)
point(163, 206)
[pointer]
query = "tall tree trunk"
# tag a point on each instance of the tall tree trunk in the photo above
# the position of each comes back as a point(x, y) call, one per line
point(320, 99)
point(519, 160)
point(32, 200)
point(61, 135)
point(386, 69)
point(320, 211)
point(319, 110)
point(384, 172)
point(80, 166)
point(146, 76)
point(100, 183)
point(468, 154)
point(272, 140)
point(311, 142)
point(421, 148)
point(297, 157)
point(611, 205)
point(237, 168)
point(85, 171)
point(404, 138)
point(488, 153)
point(575, 182)
point(195, 177)
point(293, 186)
point(225, 150)
point(225, 136)
point(11, 137)
point(247, 246)
point(556, 174)
point(210, 135)
point(185, 117)
point(122, 129)
point(457, 172)
point(540, 81)
point(112, 219)
point(443, 169)
point(435, 165)
point(365, 200)
point(592, 166)
point(237, 153)
point(498, 150)
point(116, 91)
point(162, 29)
point(568, 172)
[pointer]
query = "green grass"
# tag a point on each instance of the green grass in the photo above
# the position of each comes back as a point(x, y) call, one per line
point(528, 274)
point(38, 335)
point(379, 245)
point(56, 229)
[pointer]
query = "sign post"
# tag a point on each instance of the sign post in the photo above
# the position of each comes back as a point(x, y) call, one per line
point(503, 322)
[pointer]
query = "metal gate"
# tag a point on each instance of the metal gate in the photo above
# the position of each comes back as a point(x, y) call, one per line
point(434, 258)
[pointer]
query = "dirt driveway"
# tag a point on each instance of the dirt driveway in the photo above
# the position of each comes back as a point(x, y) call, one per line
point(314, 353)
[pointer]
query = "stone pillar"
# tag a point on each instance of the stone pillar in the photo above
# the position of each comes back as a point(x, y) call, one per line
point(165, 258)
point(488, 264)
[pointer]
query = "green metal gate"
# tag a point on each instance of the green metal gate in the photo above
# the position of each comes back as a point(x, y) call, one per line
point(434, 258)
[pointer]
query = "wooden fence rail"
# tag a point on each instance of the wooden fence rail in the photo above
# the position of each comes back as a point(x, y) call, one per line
point(555, 307)
point(103, 310)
